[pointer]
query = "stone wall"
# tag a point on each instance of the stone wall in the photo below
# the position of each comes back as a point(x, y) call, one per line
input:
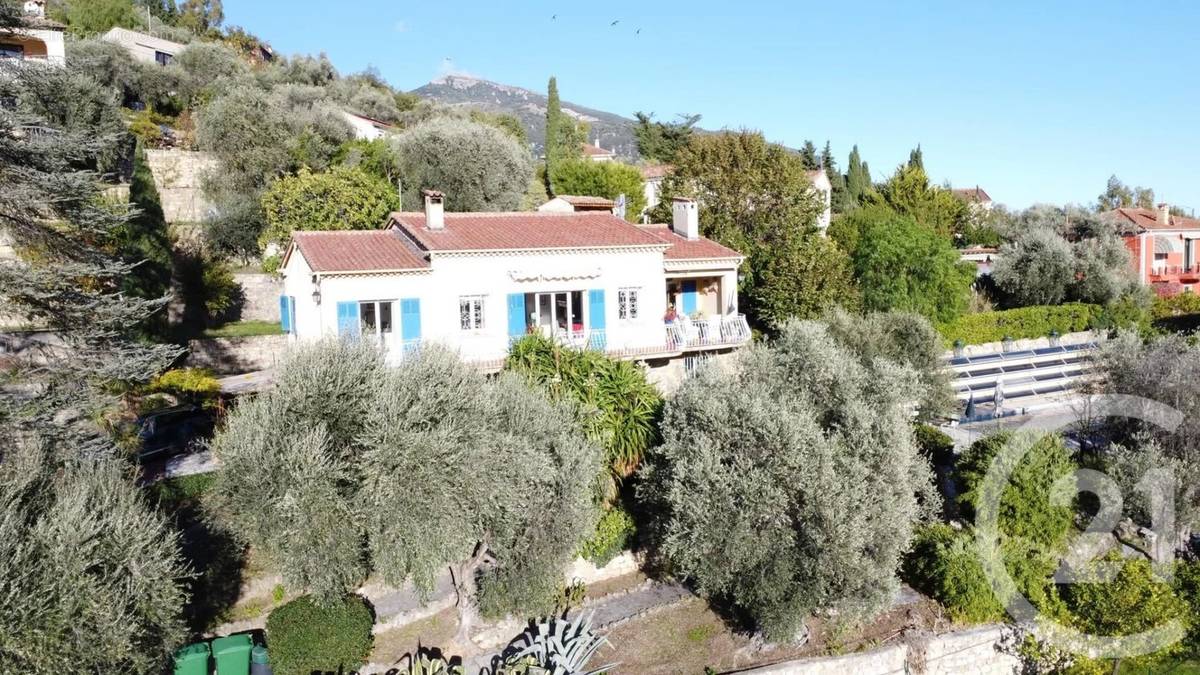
point(1028, 344)
point(261, 296)
point(970, 651)
point(233, 356)
point(668, 374)
point(178, 175)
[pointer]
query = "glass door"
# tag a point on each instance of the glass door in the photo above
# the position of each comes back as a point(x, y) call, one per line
point(560, 313)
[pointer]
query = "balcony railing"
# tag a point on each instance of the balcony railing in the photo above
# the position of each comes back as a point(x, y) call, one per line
point(1174, 270)
point(714, 332)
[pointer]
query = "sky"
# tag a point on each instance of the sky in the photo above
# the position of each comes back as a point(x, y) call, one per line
point(1033, 101)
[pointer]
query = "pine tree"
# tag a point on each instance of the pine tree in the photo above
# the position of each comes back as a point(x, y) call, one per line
point(858, 179)
point(915, 158)
point(808, 155)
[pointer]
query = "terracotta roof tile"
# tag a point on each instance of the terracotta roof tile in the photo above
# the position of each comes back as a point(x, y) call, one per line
point(975, 194)
point(593, 151)
point(656, 171)
point(358, 251)
point(1147, 219)
point(689, 249)
point(523, 231)
point(588, 202)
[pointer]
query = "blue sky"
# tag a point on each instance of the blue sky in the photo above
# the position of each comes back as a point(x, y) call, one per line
point(1034, 101)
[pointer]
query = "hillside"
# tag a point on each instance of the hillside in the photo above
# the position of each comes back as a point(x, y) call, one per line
point(615, 132)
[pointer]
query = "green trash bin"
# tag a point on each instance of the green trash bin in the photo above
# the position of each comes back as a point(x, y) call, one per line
point(232, 654)
point(192, 659)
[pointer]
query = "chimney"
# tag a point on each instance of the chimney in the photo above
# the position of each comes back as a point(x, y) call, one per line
point(1164, 213)
point(687, 218)
point(435, 215)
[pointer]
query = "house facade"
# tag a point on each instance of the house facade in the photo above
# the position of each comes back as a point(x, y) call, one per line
point(477, 281)
point(38, 40)
point(976, 198)
point(1162, 246)
point(577, 204)
point(366, 128)
point(824, 188)
point(144, 47)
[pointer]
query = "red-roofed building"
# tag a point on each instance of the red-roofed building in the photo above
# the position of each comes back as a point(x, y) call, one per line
point(1162, 246)
point(476, 281)
point(597, 153)
point(975, 197)
point(577, 204)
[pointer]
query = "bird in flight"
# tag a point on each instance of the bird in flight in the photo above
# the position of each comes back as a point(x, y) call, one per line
point(637, 32)
point(554, 17)
point(615, 22)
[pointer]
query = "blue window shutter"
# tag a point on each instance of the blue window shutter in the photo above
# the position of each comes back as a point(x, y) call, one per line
point(689, 297)
point(285, 316)
point(410, 319)
point(292, 313)
point(516, 315)
point(347, 318)
point(596, 317)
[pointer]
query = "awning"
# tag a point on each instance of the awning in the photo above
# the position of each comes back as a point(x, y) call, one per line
point(1168, 245)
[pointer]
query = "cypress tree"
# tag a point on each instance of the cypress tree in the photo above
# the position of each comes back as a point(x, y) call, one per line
point(554, 120)
point(838, 195)
point(808, 155)
point(915, 159)
point(858, 179)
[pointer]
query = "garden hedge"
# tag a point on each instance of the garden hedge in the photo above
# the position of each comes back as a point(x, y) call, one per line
point(1021, 323)
point(304, 636)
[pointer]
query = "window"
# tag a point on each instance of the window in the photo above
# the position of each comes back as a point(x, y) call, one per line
point(470, 312)
point(162, 58)
point(11, 51)
point(627, 303)
point(375, 318)
point(560, 312)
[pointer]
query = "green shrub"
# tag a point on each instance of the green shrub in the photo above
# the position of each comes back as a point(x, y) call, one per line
point(222, 293)
point(935, 444)
point(194, 384)
point(1026, 509)
point(943, 565)
point(1021, 323)
point(1177, 313)
point(304, 636)
point(613, 534)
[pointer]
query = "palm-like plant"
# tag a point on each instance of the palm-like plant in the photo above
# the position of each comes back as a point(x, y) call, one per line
point(424, 662)
point(554, 647)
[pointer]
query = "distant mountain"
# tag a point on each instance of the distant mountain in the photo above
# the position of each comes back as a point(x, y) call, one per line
point(614, 132)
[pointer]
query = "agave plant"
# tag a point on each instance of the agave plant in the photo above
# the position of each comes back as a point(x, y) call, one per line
point(425, 663)
point(554, 647)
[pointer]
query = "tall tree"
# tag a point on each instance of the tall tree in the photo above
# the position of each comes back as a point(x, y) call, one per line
point(660, 142)
point(916, 159)
point(339, 199)
point(752, 193)
point(92, 17)
point(858, 179)
point(201, 15)
point(554, 123)
point(805, 276)
point(1143, 197)
point(808, 156)
point(908, 192)
point(1116, 195)
point(602, 179)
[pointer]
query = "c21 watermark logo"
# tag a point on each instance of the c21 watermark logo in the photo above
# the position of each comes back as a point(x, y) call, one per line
point(1158, 486)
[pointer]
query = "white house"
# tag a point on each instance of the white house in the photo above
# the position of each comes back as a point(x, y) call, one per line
point(597, 153)
point(477, 281)
point(38, 40)
point(824, 190)
point(366, 128)
point(577, 204)
point(144, 47)
point(654, 175)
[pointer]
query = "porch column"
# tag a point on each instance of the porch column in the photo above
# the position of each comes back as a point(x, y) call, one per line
point(729, 297)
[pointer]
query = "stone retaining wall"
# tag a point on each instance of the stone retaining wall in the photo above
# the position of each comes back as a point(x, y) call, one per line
point(970, 651)
point(1027, 344)
point(260, 296)
point(178, 175)
point(232, 356)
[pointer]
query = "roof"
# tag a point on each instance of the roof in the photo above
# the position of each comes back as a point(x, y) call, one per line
point(657, 171)
point(979, 250)
point(689, 249)
point(132, 38)
point(593, 151)
point(588, 202)
point(524, 231)
point(1147, 219)
point(358, 251)
point(40, 23)
point(975, 194)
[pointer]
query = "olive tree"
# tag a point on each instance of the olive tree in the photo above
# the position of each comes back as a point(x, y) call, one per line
point(1035, 269)
point(791, 483)
point(477, 166)
point(90, 575)
point(347, 468)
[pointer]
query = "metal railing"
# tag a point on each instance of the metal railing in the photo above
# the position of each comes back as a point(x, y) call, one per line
point(718, 331)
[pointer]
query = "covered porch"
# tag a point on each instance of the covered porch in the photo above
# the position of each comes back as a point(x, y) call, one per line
point(702, 311)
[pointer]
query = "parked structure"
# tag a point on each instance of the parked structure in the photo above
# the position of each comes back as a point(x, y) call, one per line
point(39, 40)
point(1163, 247)
point(477, 281)
point(144, 47)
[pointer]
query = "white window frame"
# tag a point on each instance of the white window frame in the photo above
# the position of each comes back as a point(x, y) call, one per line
point(624, 296)
point(477, 312)
point(378, 331)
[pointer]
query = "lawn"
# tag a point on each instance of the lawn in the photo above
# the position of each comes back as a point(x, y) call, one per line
point(244, 329)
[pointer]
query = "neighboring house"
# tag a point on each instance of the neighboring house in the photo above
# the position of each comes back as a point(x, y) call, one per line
point(145, 47)
point(574, 204)
point(1163, 246)
point(39, 40)
point(653, 175)
point(824, 189)
point(976, 197)
point(982, 256)
point(597, 153)
point(477, 281)
point(366, 128)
